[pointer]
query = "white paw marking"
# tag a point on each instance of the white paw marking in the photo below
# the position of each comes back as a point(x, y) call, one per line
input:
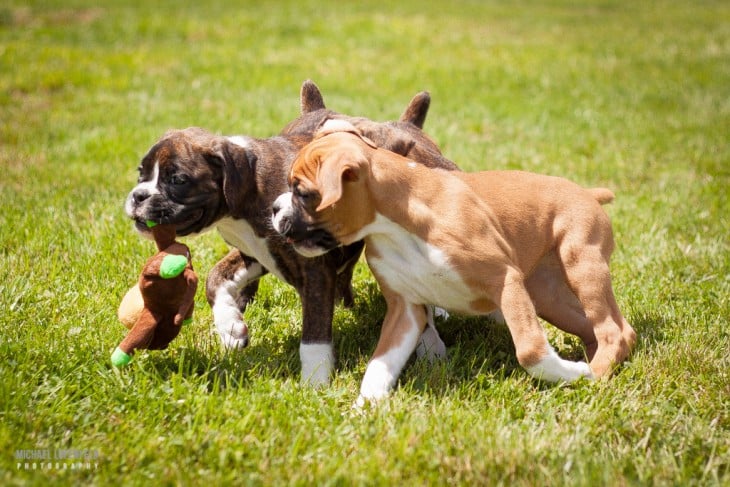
point(228, 322)
point(318, 360)
point(226, 315)
point(383, 370)
point(231, 342)
point(377, 382)
point(552, 368)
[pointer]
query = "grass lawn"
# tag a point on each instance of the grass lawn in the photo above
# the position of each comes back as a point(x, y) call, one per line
point(630, 95)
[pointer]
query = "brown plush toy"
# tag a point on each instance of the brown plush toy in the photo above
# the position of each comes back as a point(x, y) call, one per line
point(161, 301)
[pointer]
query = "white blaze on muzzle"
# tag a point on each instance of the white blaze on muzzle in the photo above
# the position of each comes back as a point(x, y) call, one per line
point(283, 212)
point(147, 187)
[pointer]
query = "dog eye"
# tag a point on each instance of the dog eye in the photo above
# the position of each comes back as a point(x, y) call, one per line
point(179, 179)
point(303, 195)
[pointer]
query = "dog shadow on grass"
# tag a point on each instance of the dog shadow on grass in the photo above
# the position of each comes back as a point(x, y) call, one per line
point(218, 368)
point(478, 349)
point(650, 328)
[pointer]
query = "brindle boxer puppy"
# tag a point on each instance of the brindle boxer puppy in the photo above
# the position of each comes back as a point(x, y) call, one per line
point(200, 181)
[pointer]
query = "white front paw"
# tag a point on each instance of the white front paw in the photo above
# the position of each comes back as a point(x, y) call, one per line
point(231, 342)
point(318, 360)
point(376, 384)
point(229, 324)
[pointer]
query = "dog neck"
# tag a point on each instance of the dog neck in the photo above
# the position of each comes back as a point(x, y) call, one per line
point(420, 191)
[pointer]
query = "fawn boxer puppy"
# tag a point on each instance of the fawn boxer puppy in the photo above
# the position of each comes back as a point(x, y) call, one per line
point(470, 242)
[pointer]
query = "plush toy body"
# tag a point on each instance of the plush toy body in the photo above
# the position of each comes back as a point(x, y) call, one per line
point(163, 299)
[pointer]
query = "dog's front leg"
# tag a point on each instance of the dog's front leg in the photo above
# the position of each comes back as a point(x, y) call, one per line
point(231, 285)
point(402, 327)
point(318, 304)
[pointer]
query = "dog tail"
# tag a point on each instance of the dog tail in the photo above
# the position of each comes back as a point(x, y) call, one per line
point(602, 195)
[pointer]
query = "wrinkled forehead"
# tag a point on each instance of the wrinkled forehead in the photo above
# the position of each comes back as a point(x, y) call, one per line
point(166, 148)
point(329, 148)
point(167, 153)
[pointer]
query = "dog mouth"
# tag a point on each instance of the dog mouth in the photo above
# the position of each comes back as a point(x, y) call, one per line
point(191, 222)
point(307, 239)
point(313, 243)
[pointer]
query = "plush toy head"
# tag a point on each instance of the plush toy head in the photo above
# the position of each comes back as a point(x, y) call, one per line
point(161, 301)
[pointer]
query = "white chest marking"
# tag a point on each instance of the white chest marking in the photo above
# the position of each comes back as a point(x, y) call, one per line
point(416, 269)
point(241, 235)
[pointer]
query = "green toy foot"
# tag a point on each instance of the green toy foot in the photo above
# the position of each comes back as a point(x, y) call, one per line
point(119, 358)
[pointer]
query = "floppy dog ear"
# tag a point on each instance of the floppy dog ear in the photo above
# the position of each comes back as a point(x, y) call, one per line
point(332, 182)
point(238, 166)
point(416, 111)
point(310, 97)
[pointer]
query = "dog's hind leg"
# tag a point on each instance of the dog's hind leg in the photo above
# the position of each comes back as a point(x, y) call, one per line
point(533, 351)
point(231, 285)
point(556, 303)
point(587, 273)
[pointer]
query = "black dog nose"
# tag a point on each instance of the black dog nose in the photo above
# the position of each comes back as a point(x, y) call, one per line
point(140, 195)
